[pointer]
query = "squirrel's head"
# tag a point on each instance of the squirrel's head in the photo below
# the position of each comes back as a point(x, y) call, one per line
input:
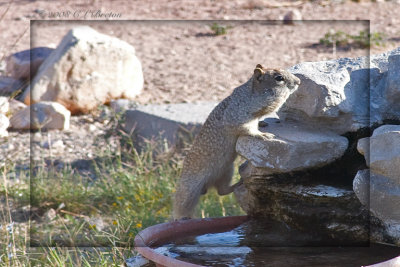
point(270, 89)
point(273, 81)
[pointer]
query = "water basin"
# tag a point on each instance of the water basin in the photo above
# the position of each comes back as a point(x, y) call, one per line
point(241, 241)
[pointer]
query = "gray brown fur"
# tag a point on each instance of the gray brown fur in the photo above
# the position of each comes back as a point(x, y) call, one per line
point(209, 163)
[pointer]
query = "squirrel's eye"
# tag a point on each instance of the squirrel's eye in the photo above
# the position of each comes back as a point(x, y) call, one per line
point(279, 78)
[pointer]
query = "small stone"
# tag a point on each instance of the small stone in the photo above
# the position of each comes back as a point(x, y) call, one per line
point(120, 105)
point(92, 128)
point(292, 17)
point(363, 147)
point(50, 215)
point(382, 151)
point(4, 123)
point(58, 145)
point(2, 66)
point(37, 137)
point(15, 105)
point(136, 261)
point(4, 105)
point(44, 115)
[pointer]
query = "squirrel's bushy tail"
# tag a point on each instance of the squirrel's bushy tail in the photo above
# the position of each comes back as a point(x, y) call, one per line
point(186, 197)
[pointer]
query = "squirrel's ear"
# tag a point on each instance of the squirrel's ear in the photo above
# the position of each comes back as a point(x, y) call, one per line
point(259, 66)
point(258, 72)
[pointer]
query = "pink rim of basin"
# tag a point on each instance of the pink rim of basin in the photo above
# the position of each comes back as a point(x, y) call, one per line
point(160, 234)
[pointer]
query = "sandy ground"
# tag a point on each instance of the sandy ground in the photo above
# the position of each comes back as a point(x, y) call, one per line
point(182, 61)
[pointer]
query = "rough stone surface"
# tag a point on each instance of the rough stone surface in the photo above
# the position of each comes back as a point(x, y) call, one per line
point(87, 69)
point(57, 144)
point(382, 151)
point(346, 94)
point(137, 261)
point(292, 148)
point(392, 92)
point(15, 105)
point(4, 123)
point(21, 64)
point(332, 215)
point(9, 85)
point(42, 115)
point(167, 121)
point(381, 196)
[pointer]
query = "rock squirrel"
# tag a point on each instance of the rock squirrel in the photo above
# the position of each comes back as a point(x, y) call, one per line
point(209, 163)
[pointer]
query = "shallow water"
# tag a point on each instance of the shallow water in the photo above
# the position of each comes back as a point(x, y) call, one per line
point(246, 246)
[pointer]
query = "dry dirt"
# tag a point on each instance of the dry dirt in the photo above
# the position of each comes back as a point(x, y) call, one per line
point(183, 61)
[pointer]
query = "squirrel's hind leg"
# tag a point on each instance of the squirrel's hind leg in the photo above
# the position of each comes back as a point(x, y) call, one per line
point(223, 183)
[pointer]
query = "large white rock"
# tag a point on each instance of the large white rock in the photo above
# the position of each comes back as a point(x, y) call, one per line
point(43, 116)
point(4, 106)
point(4, 123)
point(346, 94)
point(382, 151)
point(87, 69)
point(292, 148)
point(379, 193)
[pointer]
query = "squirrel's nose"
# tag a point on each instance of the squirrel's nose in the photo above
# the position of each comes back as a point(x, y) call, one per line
point(295, 83)
point(297, 80)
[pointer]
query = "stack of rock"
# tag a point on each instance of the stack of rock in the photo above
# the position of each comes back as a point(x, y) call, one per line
point(304, 176)
point(379, 186)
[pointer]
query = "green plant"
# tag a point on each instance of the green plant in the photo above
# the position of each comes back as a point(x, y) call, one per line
point(363, 39)
point(127, 191)
point(338, 38)
point(219, 29)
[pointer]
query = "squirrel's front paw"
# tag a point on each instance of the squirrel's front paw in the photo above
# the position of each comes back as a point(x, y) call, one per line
point(265, 136)
point(239, 183)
